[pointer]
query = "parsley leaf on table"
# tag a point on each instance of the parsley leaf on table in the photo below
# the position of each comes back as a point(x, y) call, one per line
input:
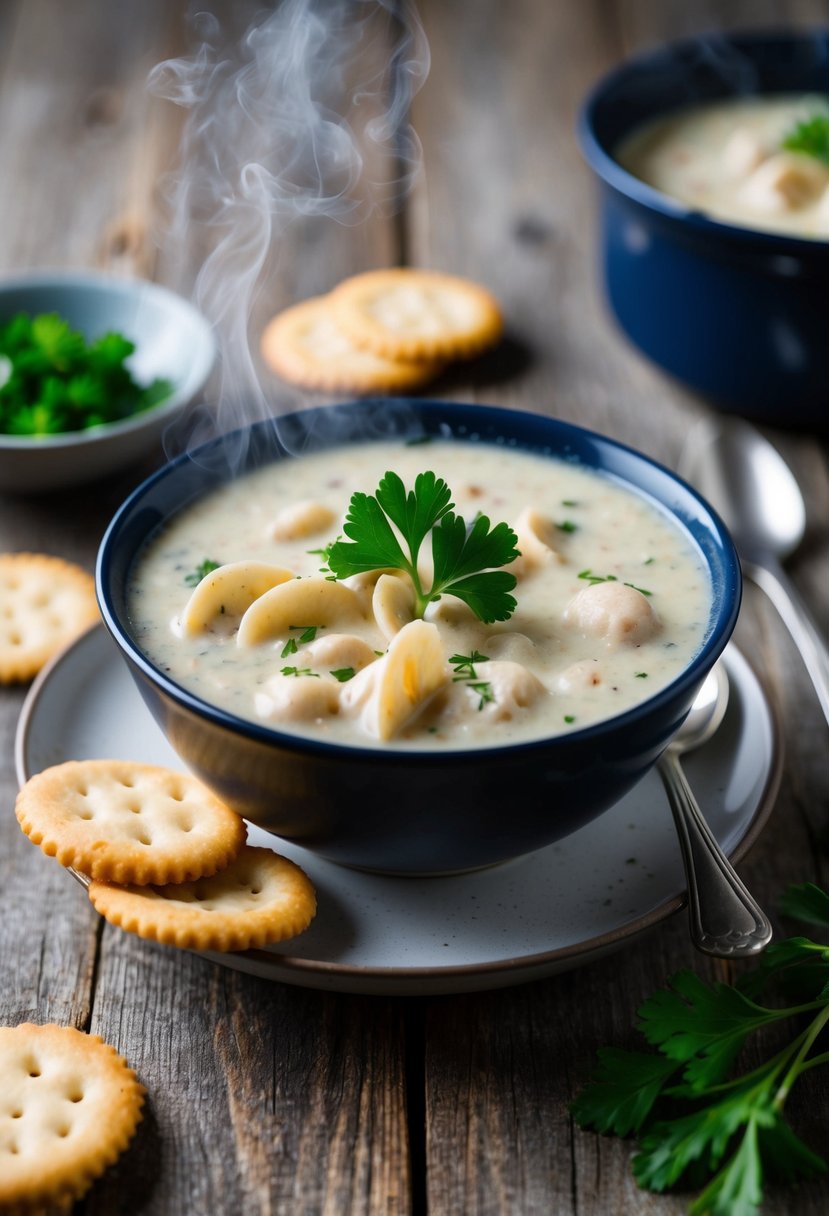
point(696, 1120)
point(463, 555)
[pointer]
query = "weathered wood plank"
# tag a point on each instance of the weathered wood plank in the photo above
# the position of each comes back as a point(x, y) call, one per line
point(263, 1098)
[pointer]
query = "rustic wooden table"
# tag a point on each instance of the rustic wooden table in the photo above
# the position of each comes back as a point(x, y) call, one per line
point(276, 1099)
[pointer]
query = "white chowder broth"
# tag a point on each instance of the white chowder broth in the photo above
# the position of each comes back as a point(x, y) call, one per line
point(729, 159)
point(613, 602)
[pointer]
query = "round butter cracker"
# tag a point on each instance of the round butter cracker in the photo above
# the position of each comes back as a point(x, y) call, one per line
point(69, 1106)
point(417, 314)
point(45, 603)
point(127, 822)
point(259, 899)
point(306, 346)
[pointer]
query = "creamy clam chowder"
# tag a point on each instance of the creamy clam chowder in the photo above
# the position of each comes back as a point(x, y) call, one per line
point(612, 603)
point(730, 159)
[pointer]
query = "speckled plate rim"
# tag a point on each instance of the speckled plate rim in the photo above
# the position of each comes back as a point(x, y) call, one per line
point(455, 978)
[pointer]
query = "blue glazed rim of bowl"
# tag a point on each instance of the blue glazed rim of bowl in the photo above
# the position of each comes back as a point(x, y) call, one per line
point(100, 283)
point(521, 430)
point(645, 65)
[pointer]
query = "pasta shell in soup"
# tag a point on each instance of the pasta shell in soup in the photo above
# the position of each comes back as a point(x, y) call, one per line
point(227, 592)
point(614, 613)
point(536, 542)
point(393, 603)
point(301, 519)
point(308, 601)
point(393, 691)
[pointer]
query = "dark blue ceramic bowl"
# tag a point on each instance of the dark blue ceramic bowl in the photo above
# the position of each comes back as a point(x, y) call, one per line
point(735, 314)
point(412, 812)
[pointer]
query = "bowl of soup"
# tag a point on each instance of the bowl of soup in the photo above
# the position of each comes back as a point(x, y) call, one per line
point(436, 713)
point(712, 158)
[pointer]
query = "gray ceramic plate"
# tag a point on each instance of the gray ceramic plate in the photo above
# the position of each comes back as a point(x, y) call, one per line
point(555, 909)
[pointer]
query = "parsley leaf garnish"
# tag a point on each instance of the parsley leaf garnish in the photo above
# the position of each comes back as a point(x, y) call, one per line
point(464, 664)
point(307, 633)
point(343, 674)
point(811, 137)
point(463, 556)
point(592, 579)
point(299, 671)
point(201, 571)
point(693, 1115)
point(484, 691)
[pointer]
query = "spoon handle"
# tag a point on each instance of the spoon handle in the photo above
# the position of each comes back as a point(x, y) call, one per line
point(773, 580)
point(725, 920)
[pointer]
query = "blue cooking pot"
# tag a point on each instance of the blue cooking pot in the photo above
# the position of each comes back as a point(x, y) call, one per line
point(736, 314)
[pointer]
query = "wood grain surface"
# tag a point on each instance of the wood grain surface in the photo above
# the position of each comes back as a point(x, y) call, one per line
point(272, 1099)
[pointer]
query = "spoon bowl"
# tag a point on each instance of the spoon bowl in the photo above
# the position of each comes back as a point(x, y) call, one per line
point(752, 488)
point(725, 920)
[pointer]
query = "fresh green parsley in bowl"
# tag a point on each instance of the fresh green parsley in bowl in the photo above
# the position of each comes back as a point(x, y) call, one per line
point(93, 369)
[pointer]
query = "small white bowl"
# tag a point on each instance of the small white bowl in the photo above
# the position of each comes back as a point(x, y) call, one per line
point(172, 342)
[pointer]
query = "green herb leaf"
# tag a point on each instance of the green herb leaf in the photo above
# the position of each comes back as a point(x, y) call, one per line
point(702, 1024)
point(463, 557)
point(811, 137)
point(299, 671)
point(464, 664)
point(807, 903)
point(592, 578)
point(417, 512)
point(374, 546)
point(727, 1129)
point(623, 1090)
point(484, 691)
point(343, 674)
point(201, 571)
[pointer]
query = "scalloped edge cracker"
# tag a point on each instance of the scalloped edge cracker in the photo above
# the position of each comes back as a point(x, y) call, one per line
point(127, 822)
point(417, 314)
point(306, 346)
point(259, 899)
point(45, 603)
point(70, 1107)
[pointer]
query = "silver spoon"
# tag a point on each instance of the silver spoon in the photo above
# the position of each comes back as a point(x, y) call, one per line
point(724, 919)
point(746, 480)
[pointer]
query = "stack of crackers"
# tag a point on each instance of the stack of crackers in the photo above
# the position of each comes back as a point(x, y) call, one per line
point(164, 858)
point(388, 331)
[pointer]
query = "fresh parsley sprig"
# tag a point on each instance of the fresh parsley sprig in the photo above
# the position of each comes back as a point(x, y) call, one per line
point(307, 633)
point(811, 137)
point(464, 556)
point(694, 1117)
